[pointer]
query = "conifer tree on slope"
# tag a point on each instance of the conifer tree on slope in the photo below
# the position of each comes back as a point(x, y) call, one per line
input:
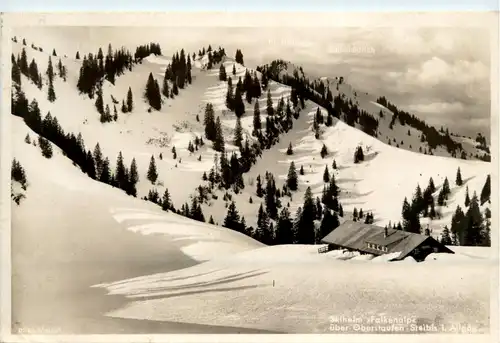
point(134, 174)
point(292, 179)
point(306, 234)
point(130, 100)
point(50, 71)
point(165, 89)
point(289, 151)
point(120, 174)
point(105, 175)
point(467, 198)
point(486, 191)
point(239, 105)
point(99, 103)
point(152, 173)
point(475, 225)
point(284, 228)
point(238, 133)
point(270, 109)
point(326, 175)
point(270, 198)
point(232, 220)
point(218, 144)
point(458, 180)
point(153, 93)
point(166, 203)
point(222, 73)
point(51, 96)
point(262, 225)
point(209, 121)
point(257, 124)
point(239, 57)
point(229, 95)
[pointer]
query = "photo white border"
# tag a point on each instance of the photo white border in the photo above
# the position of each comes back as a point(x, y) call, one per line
point(488, 20)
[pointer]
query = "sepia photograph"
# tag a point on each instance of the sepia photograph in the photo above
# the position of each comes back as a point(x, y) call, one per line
point(222, 179)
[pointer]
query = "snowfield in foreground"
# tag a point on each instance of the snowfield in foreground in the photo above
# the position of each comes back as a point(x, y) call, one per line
point(292, 288)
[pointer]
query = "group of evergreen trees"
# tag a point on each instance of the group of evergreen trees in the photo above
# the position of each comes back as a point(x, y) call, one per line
point(318, 92)
point(249, 87)
point(97, 67)
point(214, 56)
point(143, 51)
point(430, 134)
point(18, 174)
point(49, 131)
point(422, 205)
point(31, 71)
point(469, 228)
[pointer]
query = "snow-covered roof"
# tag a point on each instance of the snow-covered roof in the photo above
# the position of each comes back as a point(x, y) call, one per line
point(360, 236)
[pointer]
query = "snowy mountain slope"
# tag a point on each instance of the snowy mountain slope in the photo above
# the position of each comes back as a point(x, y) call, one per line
point(378, 185)
point(398, 134)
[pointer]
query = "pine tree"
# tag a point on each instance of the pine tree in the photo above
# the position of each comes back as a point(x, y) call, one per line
point(218, 144)
point(134, 174)
point(467, 198)
point(306, 234)
point(446, 188)
point(324, 151)
point(121, 176)
point(166, 203)
point(431, 186)
point(270, 109)
point(260, 191)
point(234, 69)
point(152, 173)
point(239, 105)
point(152, 93)
point(239, 57)
point(130, 101)
point(458, 180)
point(238, 133)
point(27, 139)
point(165, 89)
point(301, 170)
point(211, 220)
point(50, 71)
point(284, 228)
point(257, 124)
point(292, 179)
point(486, 191)
point(209, 121)
point(445, 236)
point(232, 220)
point(77, 57)
point(359, 155)
point(229, 95)
point(475, 225)
point(326, 175)
point(262, 225)
point(270, 198)
point(328, 223)
point(51, 96)
point(334, 164)
point(124, 108)
point(99, 103)
point(222, 73)
point(105, 175)
point(289, 151)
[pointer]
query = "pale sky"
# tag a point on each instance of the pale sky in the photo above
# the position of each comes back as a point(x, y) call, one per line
point(440, 74)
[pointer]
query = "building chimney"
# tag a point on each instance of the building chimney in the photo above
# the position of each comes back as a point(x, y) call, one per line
point(385, 232)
